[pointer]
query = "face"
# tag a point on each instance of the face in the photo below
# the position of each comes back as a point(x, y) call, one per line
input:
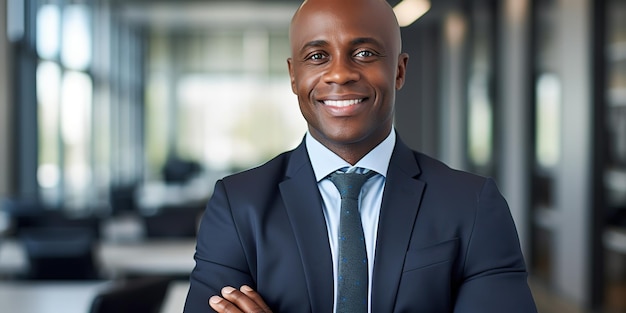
point(345, 68)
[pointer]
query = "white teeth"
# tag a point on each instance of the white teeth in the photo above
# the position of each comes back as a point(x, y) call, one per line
point(342, 103)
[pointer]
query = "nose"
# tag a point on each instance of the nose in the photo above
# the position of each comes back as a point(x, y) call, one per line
point(341, 71)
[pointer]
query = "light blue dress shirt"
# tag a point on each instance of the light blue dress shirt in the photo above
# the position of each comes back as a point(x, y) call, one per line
point(326, 162)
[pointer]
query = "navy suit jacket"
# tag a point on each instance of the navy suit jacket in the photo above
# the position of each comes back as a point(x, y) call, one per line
point(446, 241)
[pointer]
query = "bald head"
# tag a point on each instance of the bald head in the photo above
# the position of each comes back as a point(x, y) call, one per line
point(377, 14)
point(345, 67)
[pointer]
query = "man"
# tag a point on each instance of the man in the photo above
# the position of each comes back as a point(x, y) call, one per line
point(437, 240)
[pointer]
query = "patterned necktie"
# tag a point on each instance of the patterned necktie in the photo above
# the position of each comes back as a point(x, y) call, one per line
point(352, 275)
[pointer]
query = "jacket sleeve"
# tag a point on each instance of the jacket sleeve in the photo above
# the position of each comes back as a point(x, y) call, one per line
point(220, 257)
point(495, 276)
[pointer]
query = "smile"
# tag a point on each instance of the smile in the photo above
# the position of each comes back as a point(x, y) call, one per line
point(342, 103)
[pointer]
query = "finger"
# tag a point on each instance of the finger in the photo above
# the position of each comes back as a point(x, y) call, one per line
point(241, 301)
point(256, 297)
point(221, 305)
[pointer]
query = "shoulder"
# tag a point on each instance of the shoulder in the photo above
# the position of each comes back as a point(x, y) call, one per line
point(431, 171)
point(250, 189)
point(270, 172)
point(437, 172)
point(460, 190)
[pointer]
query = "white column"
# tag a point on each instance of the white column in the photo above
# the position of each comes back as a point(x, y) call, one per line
point(452, 114)
point(514, 118)
point(573, 180)
point(5, 112)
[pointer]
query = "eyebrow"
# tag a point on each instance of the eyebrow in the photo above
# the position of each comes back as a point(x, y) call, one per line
point(353, 42)
point(314, 44)
point(362, 40)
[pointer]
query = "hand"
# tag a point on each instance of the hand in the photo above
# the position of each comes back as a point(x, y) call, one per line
point(239, 301)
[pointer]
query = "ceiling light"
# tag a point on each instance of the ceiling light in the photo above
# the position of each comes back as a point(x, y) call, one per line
point(408, 11)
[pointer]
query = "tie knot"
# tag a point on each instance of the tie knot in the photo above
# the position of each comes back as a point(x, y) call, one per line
point(349, 184)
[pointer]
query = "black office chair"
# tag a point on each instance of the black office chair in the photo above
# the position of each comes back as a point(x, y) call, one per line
point(136, 295)
point(28, 214)
point(66, 253)
point(174, 221)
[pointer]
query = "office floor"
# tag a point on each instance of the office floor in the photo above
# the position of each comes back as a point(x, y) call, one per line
point(550, 302)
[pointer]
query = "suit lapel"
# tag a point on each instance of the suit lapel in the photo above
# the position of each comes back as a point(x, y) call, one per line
point(401, 201)
point(304, 208)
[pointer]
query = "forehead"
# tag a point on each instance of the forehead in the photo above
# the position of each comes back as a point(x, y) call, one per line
point(339, 22)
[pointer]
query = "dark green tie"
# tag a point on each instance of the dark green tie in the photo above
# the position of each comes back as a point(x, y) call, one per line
point(352, 274)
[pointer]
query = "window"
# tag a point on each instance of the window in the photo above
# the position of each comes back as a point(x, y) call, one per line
point(221, 98)
point(64, 97)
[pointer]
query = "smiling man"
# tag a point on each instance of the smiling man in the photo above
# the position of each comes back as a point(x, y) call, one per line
point(345, 66)
point(282, 237)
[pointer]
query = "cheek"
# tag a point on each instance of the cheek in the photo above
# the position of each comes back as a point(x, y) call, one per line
point(304, 80)
point(383, 77)
point(386, 89)
point(304, 87)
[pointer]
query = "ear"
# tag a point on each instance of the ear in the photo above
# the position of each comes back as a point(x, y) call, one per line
point(403, 60)
point(292, 75)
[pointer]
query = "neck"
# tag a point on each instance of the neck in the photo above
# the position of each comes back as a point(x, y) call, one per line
point(353, 152)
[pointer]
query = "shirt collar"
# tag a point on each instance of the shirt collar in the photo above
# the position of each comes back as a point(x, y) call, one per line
point(325, 161)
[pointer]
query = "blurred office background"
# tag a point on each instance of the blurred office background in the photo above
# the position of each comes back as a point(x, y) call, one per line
point(117, 117)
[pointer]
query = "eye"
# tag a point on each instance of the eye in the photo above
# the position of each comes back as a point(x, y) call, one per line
point(364, 54)
point(318, 56)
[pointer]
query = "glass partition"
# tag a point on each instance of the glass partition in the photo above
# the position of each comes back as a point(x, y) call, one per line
point(547, 136)
point(615, 157)
point(481, 86)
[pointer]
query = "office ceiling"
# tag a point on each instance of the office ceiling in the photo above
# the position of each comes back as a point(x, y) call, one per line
point(191, 14)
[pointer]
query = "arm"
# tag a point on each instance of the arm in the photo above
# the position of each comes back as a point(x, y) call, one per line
point(243, 300)
point(220, 257)
point(495, 277)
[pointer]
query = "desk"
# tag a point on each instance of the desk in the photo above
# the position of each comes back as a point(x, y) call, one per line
point(167, 257)
point(71, 297)
point(12, 258)
point(175, 299)
point(48, 297)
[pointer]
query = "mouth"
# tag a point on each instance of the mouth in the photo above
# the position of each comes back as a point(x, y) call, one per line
point(342, 103)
